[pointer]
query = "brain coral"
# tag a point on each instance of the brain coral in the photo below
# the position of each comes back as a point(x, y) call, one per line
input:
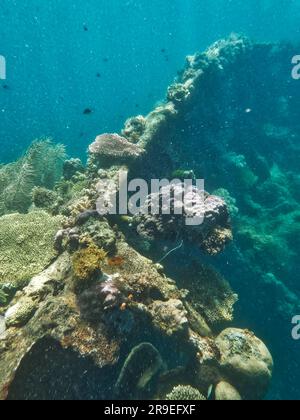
point(26, 245)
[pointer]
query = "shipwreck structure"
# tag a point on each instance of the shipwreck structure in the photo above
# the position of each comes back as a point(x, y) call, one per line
point(102, 319)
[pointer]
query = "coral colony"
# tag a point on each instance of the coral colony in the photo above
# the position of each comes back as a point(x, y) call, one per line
point(97, 301)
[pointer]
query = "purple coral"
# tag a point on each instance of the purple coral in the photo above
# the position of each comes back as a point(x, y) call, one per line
point(101, 297)
point(211, 211)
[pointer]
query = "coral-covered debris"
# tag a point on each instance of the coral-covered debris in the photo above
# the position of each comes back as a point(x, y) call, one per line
point(201, 219)
point(134, 308)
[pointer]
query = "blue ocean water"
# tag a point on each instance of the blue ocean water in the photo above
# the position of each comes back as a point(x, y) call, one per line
point(115, 58)
point(78, 69)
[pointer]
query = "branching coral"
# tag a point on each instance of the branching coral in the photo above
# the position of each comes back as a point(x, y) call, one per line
point(185, 393)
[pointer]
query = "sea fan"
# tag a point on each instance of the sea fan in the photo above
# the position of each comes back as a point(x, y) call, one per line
point(17, 194)
point(41, 166)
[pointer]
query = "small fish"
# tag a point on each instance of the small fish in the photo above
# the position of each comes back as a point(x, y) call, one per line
point(6, 87)
point(98, 75)
point(87, 111)
point(85, 28)
point(116, 261)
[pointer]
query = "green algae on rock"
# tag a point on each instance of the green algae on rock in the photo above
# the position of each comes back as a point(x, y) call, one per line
point(26, 245)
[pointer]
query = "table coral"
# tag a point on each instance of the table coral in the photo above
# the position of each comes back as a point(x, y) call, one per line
point(110, 149)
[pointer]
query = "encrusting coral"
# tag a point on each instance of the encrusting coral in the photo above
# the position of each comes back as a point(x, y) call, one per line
point(203, 220)
point(110, 149)
point(185, 393)
point(226, 392)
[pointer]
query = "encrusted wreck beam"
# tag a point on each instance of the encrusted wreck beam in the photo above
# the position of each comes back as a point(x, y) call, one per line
point(100, 307)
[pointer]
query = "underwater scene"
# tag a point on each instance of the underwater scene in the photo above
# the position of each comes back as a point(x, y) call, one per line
point(149, 202)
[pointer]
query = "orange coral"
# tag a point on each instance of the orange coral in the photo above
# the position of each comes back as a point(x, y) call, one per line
point(116, 261)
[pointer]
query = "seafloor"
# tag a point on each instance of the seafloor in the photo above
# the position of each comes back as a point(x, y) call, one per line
point(88, 313)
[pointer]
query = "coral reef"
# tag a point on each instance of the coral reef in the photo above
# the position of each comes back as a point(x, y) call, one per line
point(170, 317)
point(245, 141)
point(71, 168)
point(2, 325)
point(87, 312)
point(230, 201)
point(101, 297)
point(210, 225)
point(134, 128)
point(19, 314)
point(210, 294)
point(111, 149)
point(42, 198)
point(185, 393)
point(246, 360)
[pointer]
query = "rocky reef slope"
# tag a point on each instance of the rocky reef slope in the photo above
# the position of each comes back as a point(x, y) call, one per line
point(103, 319)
